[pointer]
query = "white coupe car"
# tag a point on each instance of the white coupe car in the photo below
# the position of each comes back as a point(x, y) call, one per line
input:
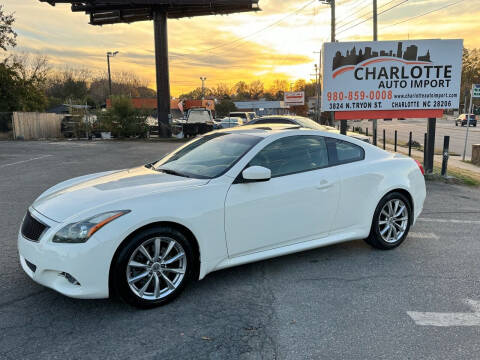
point(227, 198)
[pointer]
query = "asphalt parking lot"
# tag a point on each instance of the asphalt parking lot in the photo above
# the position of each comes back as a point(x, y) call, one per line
point(346, 301)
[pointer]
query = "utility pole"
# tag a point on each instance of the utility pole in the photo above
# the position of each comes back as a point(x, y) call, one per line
point(332, 23)
point(203, 78)
point(343, 123)
point(109, 55)
point(375, 38)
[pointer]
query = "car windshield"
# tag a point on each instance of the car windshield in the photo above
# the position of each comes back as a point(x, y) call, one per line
point(240, 115)
point(208, 156)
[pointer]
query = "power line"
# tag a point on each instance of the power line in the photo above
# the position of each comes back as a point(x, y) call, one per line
point(371, 17)
point(426, 13)
point(352, 9)
point(366, 14)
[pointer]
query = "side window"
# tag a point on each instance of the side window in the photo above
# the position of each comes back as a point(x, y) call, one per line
point(347, 152)
point(293, 154)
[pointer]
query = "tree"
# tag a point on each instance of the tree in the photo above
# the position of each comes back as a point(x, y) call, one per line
point(256, 89)
point(299, 85)
point(278, 89)
point(22, 83)
point(225, 107)
point(8, 37)
point(241, 91)
point(221, 91)
point(68, 86)
point(470, 72)
point(122, 119)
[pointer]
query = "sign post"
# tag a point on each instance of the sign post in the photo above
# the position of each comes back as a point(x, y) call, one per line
point(474, 93)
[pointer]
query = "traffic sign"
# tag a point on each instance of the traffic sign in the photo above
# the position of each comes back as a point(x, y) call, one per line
point(476, 90)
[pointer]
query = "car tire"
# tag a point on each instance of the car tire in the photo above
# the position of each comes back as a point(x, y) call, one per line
point(161, 282)
point(399, 220)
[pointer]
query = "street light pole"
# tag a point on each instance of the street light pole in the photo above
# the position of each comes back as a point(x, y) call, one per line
point(109, 55)
point(203, 78)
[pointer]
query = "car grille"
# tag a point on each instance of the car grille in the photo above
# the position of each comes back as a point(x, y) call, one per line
point(32, 229)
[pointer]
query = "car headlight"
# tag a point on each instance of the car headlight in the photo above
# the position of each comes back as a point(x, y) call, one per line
point(81, 231)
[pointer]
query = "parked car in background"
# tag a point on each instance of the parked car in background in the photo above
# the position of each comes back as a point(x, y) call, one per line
point(462, 120)
point(230, 122)
point(199, 121)
point(246, 116)
point(226, 198)
point(302, 122)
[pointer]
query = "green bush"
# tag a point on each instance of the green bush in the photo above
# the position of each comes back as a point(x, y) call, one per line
point(123, 120)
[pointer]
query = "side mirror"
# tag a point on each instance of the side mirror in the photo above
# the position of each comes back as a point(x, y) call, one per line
point(256, 174)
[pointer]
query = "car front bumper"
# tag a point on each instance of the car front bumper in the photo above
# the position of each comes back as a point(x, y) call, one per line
point(74, 270)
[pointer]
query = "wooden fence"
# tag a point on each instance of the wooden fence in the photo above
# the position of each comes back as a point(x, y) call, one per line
point(29, 125)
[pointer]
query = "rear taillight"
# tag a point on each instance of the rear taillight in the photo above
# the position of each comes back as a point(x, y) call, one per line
point(420, 167)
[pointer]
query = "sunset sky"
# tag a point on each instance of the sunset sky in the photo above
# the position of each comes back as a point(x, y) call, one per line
point(283, 51)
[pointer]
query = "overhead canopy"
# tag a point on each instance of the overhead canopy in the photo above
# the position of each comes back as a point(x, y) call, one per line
point(103, 12)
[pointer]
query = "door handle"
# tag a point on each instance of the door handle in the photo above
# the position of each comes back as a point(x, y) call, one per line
point(324, 184)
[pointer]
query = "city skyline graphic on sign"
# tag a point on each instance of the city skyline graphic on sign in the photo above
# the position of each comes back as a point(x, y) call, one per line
point(354, 58)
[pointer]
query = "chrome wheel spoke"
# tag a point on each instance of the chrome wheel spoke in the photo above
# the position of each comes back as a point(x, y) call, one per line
point(394, 232)
point(157, 249)
point(173, 259)
point(156, 292)
point(138, 277)
point(145, 252)
point(176, 271)
point(382, 232)
point(144, 288)
point(399, 212)
point(171, 244)
point(390, 208)
point(170, 284)
point(137, 264)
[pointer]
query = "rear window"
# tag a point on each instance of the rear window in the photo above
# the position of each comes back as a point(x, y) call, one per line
point(345, 152)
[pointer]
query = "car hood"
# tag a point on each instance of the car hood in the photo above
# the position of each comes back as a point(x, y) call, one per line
point(98, 190)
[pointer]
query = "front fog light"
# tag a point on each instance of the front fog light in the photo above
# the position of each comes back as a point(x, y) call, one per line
point(70, 278)
point(81, 231)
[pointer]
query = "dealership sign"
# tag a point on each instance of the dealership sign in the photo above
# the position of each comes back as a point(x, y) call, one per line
point(392, 75)
point(296, 98)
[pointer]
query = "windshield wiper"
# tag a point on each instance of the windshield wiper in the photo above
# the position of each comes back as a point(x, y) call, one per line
point(173, 172)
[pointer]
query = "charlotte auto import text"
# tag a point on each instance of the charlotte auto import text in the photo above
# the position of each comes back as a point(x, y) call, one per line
point(435, 76)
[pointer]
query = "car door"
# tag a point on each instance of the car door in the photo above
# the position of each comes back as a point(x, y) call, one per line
point(297, 204)
point(359, 184)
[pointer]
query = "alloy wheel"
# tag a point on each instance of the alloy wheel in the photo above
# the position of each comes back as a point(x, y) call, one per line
point(393, 221)
point(156, 268)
